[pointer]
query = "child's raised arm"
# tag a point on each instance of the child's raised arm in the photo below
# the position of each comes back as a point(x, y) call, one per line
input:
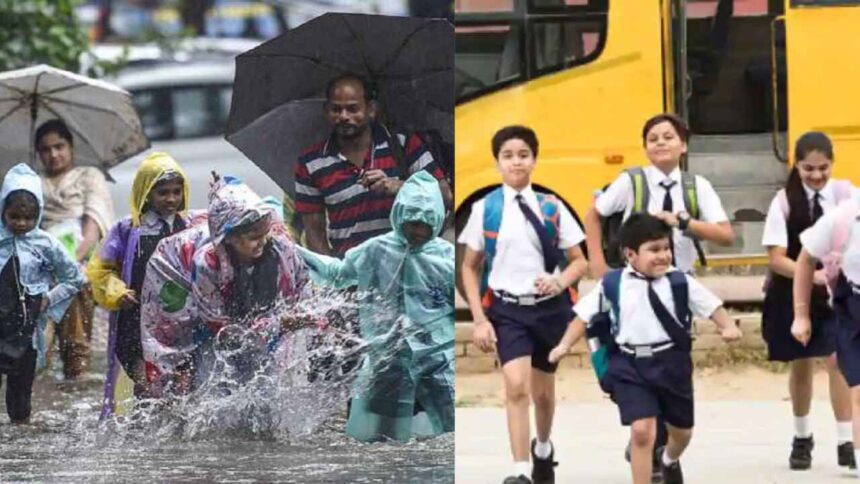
point(331, 271)
point(575, 330)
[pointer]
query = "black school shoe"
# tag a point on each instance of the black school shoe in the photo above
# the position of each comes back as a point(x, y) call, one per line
point(543, 470)
point(801, 453)
point(845, 454)
point(520, 479)
point(671, 474)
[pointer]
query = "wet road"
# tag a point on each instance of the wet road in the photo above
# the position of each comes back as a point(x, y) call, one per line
point(66, 443)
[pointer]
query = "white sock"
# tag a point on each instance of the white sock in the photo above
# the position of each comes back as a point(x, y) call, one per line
point(801, 427)
point(844, 431)
point(543, 449)
point(667, 461)
point(522, 469)
point(856, 457)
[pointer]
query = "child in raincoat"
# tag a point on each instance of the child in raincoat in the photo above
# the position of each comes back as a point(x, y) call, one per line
point(408, 318)
point(158, 209)
point(31, 261)
point(168, 319)
point(249, 266)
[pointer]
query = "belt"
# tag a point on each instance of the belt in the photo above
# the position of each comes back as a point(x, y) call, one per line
point(526, 300)
point(645, 351)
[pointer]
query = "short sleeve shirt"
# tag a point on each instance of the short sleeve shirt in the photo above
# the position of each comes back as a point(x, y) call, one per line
point(618, 197)
point(817, 240)
point(638, 323)
point(519, 258)
point(775, 225)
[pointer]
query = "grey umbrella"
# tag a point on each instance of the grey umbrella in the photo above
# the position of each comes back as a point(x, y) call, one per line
point(277, 107)
point(101, 116)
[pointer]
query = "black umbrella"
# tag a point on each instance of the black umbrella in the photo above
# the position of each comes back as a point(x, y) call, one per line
point(279, 90)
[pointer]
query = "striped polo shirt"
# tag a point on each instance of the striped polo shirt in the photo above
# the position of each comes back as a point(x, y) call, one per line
point(326, 181)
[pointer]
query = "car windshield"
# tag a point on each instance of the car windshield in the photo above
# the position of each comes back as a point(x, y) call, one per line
point(182, 112)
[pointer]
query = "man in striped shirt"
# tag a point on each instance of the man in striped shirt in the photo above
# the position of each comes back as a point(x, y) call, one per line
point(352, 177)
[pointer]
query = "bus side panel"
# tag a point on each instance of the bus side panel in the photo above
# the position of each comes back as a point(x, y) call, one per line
point(581, 115)
point(824, 80)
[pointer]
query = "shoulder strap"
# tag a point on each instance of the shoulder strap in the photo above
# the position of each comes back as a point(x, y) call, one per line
point(846, 213)
point(691, 195)
point(641, 192)
point(493, 204)
point(681, 297)
point(611, 288)
point(549, 207)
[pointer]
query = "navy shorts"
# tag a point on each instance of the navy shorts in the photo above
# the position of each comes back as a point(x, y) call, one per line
point(530, 330)
point(659, 386)
point(847, 305)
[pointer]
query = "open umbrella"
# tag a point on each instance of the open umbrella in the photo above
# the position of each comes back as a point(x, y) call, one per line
point(279, 90)
point(102, 119)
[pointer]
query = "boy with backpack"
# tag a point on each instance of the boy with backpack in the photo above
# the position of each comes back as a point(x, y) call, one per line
point(688, 203)
point(518, 296)
point(643, 314)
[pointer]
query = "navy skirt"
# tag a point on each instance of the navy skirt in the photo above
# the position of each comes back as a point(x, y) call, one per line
point(778, 314)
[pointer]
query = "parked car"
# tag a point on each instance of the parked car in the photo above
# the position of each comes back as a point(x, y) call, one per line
point(184, 109)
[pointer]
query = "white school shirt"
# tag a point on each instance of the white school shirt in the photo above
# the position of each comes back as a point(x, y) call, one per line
point(618, 197)
point(519, 258)
point(638, 324)
point(818, 238)
point(776, 226)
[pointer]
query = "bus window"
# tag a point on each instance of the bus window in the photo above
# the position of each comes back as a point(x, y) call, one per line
point(505, 42)
point(561, 44)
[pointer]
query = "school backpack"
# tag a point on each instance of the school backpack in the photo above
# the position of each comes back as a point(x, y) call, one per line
point(603, 327)
point(493, 205)
point(611, 225)
point(847, 211)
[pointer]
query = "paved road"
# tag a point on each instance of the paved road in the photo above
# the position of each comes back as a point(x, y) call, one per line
point(734, 442)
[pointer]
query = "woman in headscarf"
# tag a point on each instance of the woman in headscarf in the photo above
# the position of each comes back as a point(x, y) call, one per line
point(249, 267)
point(78, 211)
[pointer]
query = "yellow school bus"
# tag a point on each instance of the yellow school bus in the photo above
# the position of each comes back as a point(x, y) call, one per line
point(750, 76)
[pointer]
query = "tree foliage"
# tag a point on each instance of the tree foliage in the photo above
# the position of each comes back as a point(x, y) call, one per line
point(40, 32)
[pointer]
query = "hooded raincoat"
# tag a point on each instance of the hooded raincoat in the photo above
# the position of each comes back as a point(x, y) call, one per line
point(168, 321)
point(220, 296)
point(44, 261)
point(413, 307)
point(120, 264)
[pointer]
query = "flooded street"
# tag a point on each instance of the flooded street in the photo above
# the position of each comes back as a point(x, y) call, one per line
point(65, 443)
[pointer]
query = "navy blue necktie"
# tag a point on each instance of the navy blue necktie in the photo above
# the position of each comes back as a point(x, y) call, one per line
point(817, 211)
point(550, 255)
point(667, 207)
point(670, 324)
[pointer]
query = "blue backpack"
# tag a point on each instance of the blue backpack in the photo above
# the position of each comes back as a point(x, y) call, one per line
point(493, 204)
point(604, 325)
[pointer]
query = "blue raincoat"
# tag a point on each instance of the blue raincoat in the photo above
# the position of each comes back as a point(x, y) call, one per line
point(43, 260)
point(409, 321)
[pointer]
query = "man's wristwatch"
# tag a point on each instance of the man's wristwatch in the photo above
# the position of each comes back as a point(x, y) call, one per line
point(683, 221)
